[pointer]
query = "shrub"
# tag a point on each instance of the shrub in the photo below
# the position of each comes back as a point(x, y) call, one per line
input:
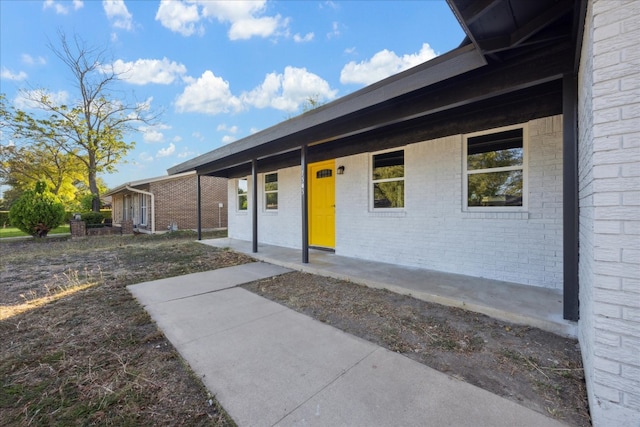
point(92, 218)
point(37, 211)
point(4, 218)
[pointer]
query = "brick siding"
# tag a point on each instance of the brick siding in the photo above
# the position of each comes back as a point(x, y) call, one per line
point(176, 202)
point(609, 185)
point(433, 231)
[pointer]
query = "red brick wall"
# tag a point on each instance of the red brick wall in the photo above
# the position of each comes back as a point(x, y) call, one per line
point(176, 201)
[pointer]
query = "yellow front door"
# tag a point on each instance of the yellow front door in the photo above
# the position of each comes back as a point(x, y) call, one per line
point(322, 204)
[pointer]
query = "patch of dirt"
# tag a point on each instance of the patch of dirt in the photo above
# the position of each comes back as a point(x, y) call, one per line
point(537, 369)
point(95, 357)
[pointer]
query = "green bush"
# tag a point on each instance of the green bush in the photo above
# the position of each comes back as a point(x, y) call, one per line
point(37, 211)
point(4, 219)
point(92, 218)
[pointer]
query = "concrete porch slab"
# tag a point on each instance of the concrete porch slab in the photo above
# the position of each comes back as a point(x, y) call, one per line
point(511, 302)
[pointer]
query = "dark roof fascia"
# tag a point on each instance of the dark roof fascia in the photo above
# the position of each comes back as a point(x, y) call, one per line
point(451, 64)
point(475, 86)
point(521, 106)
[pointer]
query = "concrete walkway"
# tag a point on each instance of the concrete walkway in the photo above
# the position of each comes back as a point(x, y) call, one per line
point(270, 366)
point(512, 302)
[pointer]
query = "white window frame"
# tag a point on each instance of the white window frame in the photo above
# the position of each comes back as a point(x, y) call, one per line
point(246, 195)
point(372, 182)
point(524, 168)
point(144, 209)
point(265, 192)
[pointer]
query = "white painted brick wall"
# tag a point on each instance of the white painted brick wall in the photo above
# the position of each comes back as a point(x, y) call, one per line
point(609, 171)
point(433, 232)
point(282, 227)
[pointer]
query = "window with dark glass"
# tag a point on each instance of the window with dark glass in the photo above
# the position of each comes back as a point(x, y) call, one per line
point(495, 169)
point(271, 191)
point(242, 194)
point(387, 179)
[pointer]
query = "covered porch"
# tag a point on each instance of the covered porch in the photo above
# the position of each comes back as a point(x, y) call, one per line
point(512, 302)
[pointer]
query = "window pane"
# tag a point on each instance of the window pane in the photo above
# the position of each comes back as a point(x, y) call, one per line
point(388, 194)
point(324, 173)
point(495, 189)
point(272, 200)
point(495, 150)
point(242, 202)
point(388, 165)
point(271, 182)
point(242, 186)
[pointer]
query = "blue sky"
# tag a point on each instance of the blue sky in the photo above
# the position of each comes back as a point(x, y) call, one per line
point(219, 70)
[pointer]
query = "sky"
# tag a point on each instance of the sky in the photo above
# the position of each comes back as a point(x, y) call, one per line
point(217, 71)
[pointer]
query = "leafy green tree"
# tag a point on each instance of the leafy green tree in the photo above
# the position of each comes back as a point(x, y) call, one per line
point(37, 211)
point(22, 167)
point(91, 128)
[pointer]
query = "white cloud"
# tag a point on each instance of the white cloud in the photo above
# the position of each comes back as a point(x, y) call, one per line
point(288, 91)
point(231, 132)
point(28, 100)
point(177, 138)
point(329, 4)
point(118, 14)
point(179, 17)
point(145, 157)
point(197, 135)
point(246, 18)
point(185, 154)
point(208, 94)
point(303, 39)
point(383, 64)
point(145, 71)
point(60, 8)
point(153, 134)
point(165, 152)
point(30, 60)
point(224, 128)
point(335, 31)
point(7, 74)
point(145, 105)
point(228, 139)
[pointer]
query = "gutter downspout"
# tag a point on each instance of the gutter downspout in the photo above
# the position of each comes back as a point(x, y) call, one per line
point(153, 206)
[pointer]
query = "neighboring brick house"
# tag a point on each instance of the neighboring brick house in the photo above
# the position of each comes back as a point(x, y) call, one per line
point(170, 203)
point(402, 171)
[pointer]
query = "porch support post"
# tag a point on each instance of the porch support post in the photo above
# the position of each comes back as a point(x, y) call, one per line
point(570, 207)
point(305, 204)
point(199, 202)
point(254, 203)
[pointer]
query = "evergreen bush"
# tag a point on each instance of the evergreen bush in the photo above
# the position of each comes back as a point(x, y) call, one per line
point(37, 211)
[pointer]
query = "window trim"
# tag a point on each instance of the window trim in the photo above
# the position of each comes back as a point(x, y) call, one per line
point(144, 209)
point(372, 181)
point(524, 168)
point(265, 192)
point(245, 195)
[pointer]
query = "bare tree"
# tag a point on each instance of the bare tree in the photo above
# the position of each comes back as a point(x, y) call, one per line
point(94, 126)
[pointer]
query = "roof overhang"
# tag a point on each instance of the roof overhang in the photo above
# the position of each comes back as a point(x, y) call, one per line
point(508, 70)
